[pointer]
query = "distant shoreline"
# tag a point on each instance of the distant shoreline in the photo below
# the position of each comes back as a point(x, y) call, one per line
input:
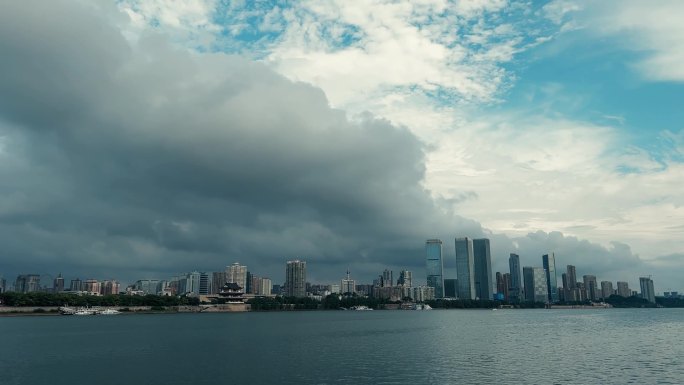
point(52, 311)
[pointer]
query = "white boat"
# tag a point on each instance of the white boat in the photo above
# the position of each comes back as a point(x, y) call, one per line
point(65, 310)
point(360, 308)
point(110, 312)
point(422, 306)
point(85, 311)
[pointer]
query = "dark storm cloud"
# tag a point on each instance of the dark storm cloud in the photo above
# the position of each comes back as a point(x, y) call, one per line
point(615, 262)
point(142, 157)
point(135, 160)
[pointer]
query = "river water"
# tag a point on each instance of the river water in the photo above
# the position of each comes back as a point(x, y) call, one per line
point(603, 346)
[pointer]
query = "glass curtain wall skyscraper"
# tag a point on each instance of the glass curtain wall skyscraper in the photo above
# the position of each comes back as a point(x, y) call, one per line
point(535, 284)
point(549, 262)
point(572, 292)
point(465, 268)
point(434, 266)
point(483, 269)
point(515, 290)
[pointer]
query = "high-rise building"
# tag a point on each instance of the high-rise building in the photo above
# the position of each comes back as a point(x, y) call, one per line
point(264, 287)
point(253, 283)
point(465, 268)
point(591, 286)
point(188, 284)
point(606, 289)
point(564, 293)
point(58, 284)
point(295, 279)
point(499, 282)
point(515, 288)
point(572, 291)
point(3, 285)
point(405, 278)
point(387, 278)
point(347, 285)
point(109, 287)
point(450, 288)
point(76, 285)
point(238, 274)
point(176, 285)
point(623, 289)
point(435, 266)
point(535, 285)
point(249, 283)
point(482, 263)
point(647, 291)
point(164, 288)
point(181, 284)
point(218, 279)
point(204, 283)
point(147, 286)
point(92, 286)
point(364, 290)
point(549, 263)
point(423, 293)
point(507, 284)
point(502, 284)
point(581, 292)
point(193, 283)
point(27, 283)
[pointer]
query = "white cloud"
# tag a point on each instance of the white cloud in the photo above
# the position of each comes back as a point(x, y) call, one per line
point(653, 29)
point(536, 174)
point(189, 21)
point(358, 51)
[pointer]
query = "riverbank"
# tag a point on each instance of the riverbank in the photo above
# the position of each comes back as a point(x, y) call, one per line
point(15, 311)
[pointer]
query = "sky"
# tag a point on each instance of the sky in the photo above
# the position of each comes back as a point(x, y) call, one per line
point(141, 139)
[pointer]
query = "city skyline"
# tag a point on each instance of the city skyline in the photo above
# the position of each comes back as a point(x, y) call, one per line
point(149, 141)
point(512, 286)
point(500, 264)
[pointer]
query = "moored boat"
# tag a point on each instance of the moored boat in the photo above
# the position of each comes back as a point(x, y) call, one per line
point(360, 308)
point(86, 311)
point(65, 310)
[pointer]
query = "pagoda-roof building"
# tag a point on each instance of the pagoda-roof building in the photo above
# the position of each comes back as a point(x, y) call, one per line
point(231, 292)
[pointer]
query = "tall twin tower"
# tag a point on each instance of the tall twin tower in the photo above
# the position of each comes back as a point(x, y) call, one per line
point(473, 269)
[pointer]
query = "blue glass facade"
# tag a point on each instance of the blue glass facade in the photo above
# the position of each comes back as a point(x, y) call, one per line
point(535, 284)
point(465, 268)
point(434, 266)
point(549, 262)
point(484, 285)
point(515, 291)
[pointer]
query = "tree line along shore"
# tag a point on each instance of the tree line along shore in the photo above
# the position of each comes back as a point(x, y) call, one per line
point(39, 301)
